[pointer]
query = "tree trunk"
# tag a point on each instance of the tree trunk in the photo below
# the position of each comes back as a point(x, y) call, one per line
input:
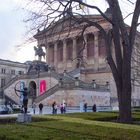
point(124, 96)
point(124, 105)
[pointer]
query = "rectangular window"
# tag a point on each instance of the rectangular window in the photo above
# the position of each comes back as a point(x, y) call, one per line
point(60, 53)
point(69, 50)
point(90, 45)
point(3, 71)
point(90, 49)
point(13, 72)
point(2, 82)
point(101, 44)
point(69, 53)
point(20, 72)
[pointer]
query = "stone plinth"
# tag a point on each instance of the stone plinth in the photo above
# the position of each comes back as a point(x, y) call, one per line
point(24, 118)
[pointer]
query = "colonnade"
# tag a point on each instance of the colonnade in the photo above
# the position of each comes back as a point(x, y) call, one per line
point(53, 54)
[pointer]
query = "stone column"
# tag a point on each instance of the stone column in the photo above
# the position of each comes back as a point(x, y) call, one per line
point(96, 52)
point(85, 50)
point(64, 54)
point(47, 53)
point(74, 52)
point(74, 48)
point(55, 55)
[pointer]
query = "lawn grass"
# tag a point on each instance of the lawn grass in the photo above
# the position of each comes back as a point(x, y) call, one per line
point(74, 126)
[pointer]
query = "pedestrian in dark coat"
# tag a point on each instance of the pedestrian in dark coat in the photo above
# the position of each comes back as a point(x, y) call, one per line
point(94, 108)
point(40, 108)
point(85, 107)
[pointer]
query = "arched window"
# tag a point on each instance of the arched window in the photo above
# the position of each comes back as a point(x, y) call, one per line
point(33, 90)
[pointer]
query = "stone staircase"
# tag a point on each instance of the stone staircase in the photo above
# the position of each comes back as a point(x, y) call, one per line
point(66, 81)
point(74, 72)
point(12, 97)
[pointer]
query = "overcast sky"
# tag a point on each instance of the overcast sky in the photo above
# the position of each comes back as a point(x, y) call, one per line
point(12, 32)
point(12, 29)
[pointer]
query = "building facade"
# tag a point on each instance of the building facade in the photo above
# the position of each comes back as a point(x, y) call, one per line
point(77, 69)
point(65, 50)
point(9, 70)
point(63, 47)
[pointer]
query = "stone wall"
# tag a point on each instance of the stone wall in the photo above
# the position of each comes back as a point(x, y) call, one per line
point(74, 97)
point(10, 92)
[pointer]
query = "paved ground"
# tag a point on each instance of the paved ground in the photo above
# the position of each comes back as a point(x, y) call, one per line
point(48, 110)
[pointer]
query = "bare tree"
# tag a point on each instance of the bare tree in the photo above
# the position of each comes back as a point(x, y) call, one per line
point(122, 37)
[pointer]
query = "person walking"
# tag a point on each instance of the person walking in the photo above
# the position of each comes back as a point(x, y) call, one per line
point(34, 106)
point(85, 107)
point(40, 108)
point(61, 109)
point(94, 108)
point(53, 107)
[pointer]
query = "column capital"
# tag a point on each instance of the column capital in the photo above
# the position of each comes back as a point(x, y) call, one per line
point(64, 41)
point(74, 38)
point(96, 34)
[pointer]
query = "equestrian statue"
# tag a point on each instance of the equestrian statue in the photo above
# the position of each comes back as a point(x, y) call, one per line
point(39, 52)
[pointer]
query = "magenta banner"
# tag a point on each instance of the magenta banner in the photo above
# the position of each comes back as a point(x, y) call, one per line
point(42, 87)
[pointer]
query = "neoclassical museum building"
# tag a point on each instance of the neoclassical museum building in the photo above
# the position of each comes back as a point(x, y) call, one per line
point(77, 68)
point(64, 51)
point(64, 46)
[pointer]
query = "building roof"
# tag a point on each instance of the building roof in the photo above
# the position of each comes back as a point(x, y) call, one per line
point(9, 62)
point(67, 22)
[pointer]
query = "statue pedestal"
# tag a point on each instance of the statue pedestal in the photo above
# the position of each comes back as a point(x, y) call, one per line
point(24, 117)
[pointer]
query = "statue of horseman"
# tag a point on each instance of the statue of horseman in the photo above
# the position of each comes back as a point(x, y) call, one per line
point(39, 52)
